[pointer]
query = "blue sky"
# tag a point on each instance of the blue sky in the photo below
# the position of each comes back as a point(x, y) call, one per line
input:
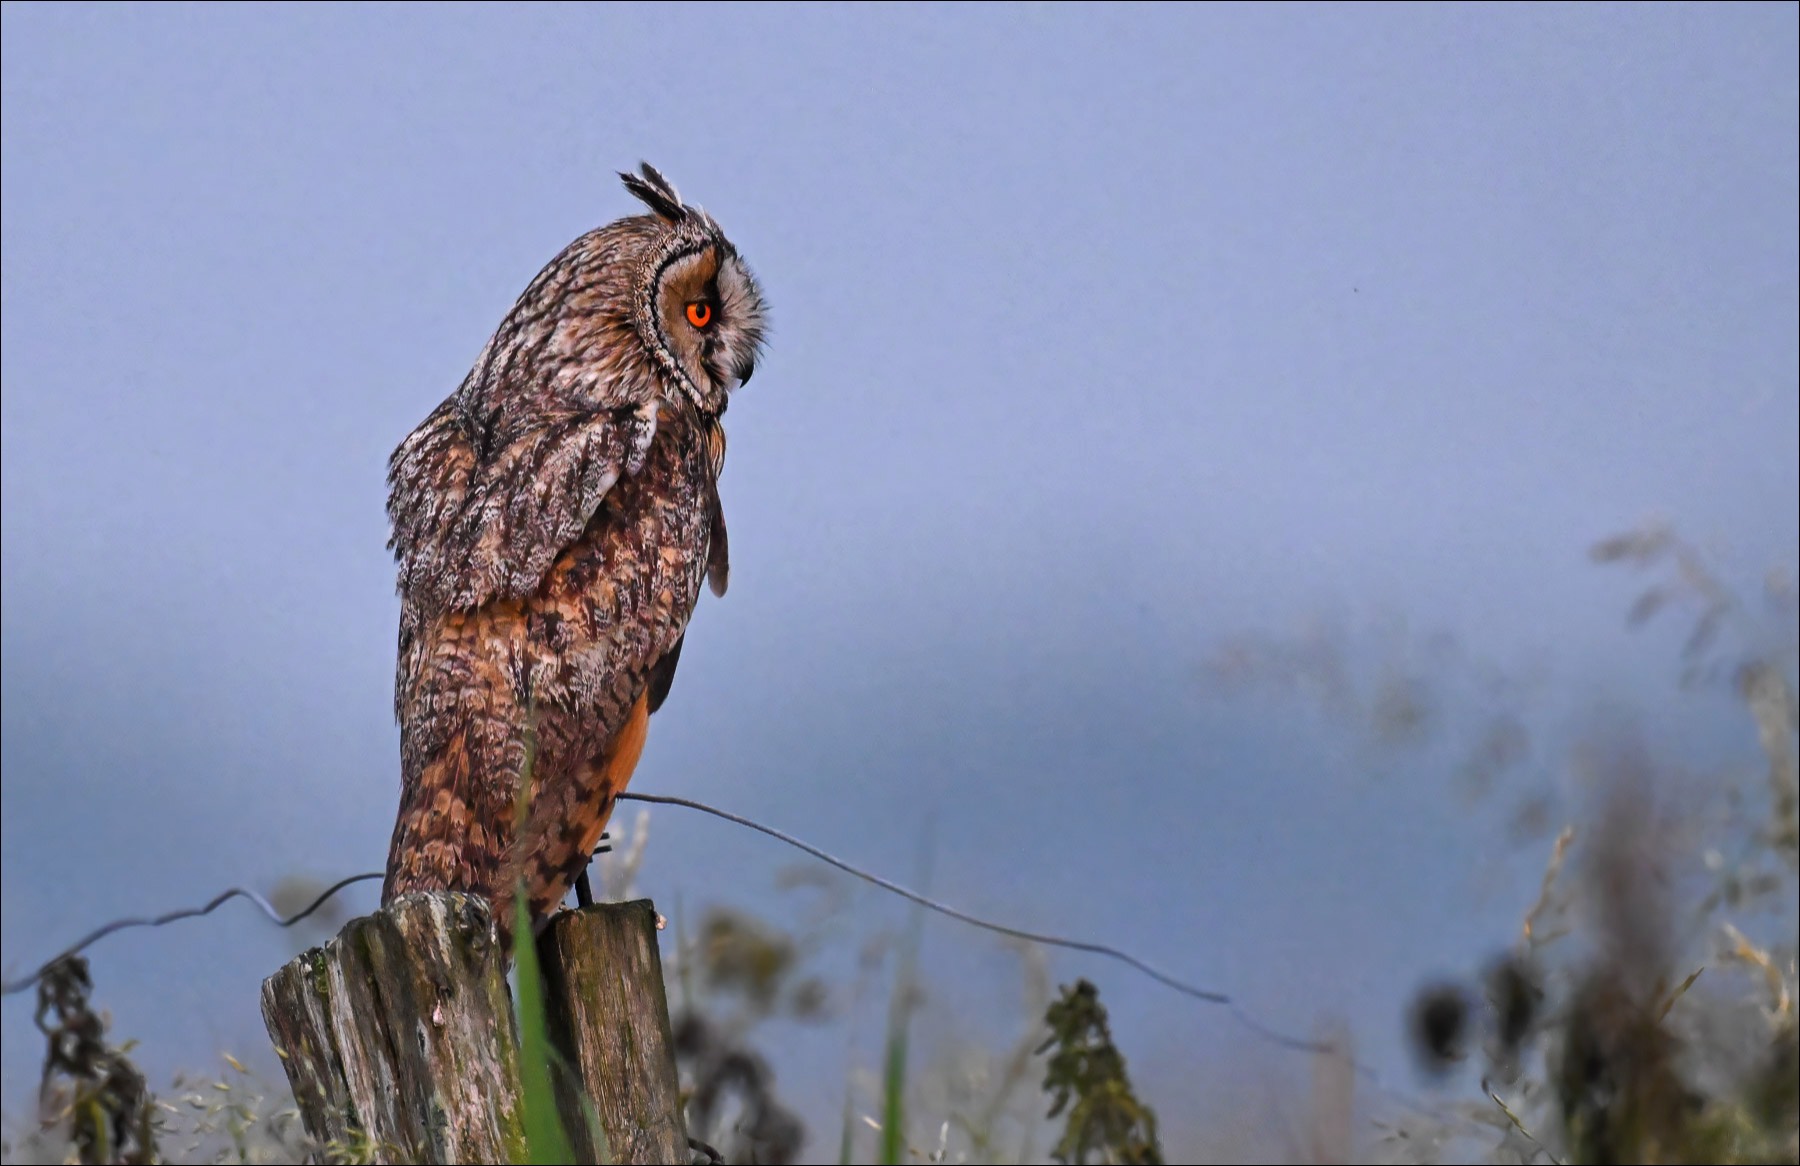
point(1100, 335)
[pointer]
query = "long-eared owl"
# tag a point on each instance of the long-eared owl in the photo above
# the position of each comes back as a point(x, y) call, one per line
point(552, 522)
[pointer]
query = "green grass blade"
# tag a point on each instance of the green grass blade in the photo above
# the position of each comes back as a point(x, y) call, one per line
point(847, 1142)
point(893, 1084)
point(590, 1116)
point(546, 1141)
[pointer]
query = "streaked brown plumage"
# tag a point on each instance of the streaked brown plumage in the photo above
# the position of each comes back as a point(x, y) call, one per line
point(552, 522)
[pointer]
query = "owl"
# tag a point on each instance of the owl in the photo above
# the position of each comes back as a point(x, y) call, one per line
point(552, 522)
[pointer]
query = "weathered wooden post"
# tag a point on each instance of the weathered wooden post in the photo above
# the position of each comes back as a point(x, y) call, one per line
point(400, 1041)
point(608, 1014)
point(398, 1035)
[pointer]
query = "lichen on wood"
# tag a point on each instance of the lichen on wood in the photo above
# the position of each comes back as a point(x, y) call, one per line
point(398, 1035)
point(401, 1043)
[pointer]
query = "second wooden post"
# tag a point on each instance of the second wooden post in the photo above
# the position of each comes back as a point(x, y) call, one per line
point(608, 1015)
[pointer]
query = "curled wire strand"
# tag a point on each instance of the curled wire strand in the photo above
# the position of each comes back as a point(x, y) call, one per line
point(1204, 995)
point(11, 987)
point(1142, 966)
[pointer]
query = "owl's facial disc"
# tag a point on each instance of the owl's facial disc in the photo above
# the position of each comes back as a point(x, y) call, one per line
point(711, 319)
point(741, 307)
point(689, 316)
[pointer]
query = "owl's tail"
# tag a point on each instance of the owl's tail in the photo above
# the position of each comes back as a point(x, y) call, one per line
point(455, 827)
point(558, 846)
point(456, 818)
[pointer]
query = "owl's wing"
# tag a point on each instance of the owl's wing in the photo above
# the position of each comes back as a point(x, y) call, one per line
point(662, 677)
point(718, 571)
point(718, 552)
point(718, 547)
point(469, 529)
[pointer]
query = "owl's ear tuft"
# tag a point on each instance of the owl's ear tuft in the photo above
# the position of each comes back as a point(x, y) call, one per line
point(655, 192)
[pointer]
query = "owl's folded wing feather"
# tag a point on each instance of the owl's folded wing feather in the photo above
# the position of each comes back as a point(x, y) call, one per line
point(468, 530)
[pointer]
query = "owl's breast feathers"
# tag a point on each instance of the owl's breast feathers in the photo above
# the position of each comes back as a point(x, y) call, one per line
point(541, 587)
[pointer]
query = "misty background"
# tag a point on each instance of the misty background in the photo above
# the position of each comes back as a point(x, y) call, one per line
point(1102, 336)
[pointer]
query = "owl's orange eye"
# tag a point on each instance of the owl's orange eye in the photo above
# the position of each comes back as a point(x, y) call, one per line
point(699, 313)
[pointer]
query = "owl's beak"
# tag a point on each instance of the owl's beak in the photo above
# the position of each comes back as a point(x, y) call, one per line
point(744, 370)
